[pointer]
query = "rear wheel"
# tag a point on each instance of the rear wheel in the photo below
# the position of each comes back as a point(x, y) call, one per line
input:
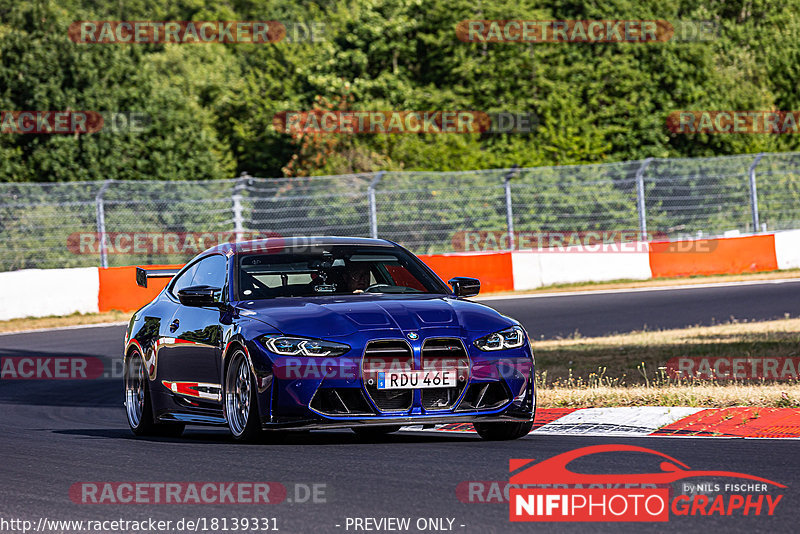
point(138, 405)
point(503, 431)
point(241, 406)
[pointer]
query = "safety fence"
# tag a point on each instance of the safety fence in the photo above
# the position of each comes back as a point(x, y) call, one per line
point(108, 223)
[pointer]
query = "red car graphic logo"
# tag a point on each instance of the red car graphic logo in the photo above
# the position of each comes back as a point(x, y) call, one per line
point(554, 470)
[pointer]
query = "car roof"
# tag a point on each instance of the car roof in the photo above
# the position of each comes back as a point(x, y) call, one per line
point(277, 244)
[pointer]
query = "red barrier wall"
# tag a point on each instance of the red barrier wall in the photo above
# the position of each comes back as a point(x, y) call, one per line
point(118, 289)
point(713, 256)
point(493, 269)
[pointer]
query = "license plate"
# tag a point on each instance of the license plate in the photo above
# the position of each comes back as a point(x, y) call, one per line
point(416, 379)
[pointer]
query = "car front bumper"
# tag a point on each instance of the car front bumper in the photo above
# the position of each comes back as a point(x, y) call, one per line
point(312, 393)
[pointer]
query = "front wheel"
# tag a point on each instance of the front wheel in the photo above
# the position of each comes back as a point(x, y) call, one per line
point(138, 406)
point(241, 404)
point(503, 431)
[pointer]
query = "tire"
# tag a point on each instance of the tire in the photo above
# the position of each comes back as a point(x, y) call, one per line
point(241, 404)
point(374, 432)
point(138, 406)
point(503, 431)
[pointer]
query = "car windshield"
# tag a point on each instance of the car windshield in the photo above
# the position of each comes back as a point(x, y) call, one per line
point(334, 270)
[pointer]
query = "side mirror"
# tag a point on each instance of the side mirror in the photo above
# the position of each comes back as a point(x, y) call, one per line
point(465, 287)
point(198, 296)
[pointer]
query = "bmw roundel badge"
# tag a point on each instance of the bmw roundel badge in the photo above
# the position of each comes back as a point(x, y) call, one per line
point(412, 335)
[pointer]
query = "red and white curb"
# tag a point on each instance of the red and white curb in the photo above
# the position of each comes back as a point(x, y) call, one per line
point(626, 421)
point(743, 422)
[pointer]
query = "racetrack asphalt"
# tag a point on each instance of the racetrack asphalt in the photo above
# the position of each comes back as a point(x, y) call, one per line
point(56, 433)
point(601, 313)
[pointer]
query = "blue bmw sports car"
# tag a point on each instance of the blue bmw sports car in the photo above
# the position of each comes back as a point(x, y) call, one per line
point(315, 333)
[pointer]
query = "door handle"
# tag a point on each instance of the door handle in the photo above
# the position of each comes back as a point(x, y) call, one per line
point(174, 325)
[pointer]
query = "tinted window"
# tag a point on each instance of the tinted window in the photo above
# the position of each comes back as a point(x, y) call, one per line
point(183, 280)
point(334, 270)
point(211, 271)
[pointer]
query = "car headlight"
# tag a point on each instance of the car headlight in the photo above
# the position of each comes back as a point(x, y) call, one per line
point(510, 338)
point(302, 346)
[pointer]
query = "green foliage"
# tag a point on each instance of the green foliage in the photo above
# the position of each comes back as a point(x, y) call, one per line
point(212, 105)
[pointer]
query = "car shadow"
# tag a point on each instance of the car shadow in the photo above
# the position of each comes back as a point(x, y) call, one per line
point(104, 391)
point(275, 438)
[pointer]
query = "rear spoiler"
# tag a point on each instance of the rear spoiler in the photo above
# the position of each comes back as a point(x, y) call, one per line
point(143, 274)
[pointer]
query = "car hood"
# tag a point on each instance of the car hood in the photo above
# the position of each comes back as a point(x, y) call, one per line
point(330, 316)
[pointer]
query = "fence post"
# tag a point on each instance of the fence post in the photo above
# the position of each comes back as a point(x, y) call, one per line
point(640, 199)
point(373, 209)
point(101, 222)
point(236, 200)
point(509, 207)
point(754, 192)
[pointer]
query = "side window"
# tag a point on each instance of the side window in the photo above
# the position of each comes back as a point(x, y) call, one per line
point(211, 271)
point(184, 279)
point(402, 277)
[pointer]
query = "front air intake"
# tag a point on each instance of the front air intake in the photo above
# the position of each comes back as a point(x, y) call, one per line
point(444, 354)
point(387, 355)
point(486, 396)
point(341, 402)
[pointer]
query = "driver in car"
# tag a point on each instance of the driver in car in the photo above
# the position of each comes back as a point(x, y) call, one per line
point(357, 277)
